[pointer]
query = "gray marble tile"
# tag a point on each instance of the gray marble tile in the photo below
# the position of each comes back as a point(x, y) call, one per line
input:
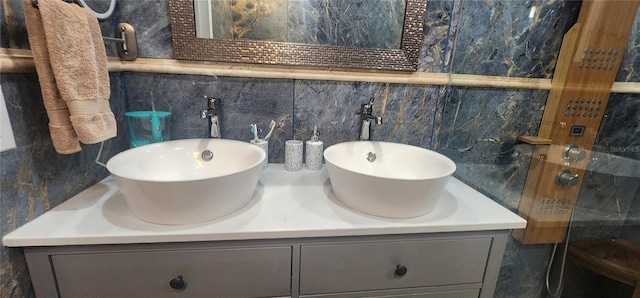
point(439, 32)
point(349, 23)
point(16, 281)
point(497, 37)
point(619, 132)
point(332, 106)
point(531, 268)
point(13, 31)
point(604, 201)
point(479, 131)
point(244, 101)
point(45, 172)
point(630, 64)
point(150, 19)
point(33, 177)
point(611, 183)
point(508, 268)
point(409, 114)
point(631, 229)
point(407, 111)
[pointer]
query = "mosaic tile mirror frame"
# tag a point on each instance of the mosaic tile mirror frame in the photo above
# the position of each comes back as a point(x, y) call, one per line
point(332, 54)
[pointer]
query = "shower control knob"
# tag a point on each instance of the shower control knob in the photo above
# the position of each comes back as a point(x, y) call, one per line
point(401, 270)
point(566, 178)
point(574, 153)
point(178, 283)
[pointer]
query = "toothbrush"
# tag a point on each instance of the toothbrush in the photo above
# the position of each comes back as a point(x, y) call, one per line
point(254, 129)
point(272, 125)
point(156, 129)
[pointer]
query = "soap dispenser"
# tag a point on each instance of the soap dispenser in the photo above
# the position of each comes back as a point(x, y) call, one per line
point(313, 155)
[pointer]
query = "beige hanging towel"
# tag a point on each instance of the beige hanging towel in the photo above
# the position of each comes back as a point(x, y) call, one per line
point(78, 61)
point(63, 136)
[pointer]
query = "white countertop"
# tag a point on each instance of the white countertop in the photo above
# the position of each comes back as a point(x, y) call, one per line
point(286, 205)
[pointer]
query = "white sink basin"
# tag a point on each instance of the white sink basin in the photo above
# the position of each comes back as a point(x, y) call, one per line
point(171, 182)
point(401, 181)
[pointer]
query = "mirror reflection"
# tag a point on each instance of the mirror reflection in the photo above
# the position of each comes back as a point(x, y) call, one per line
point(344, 34)
point(348, 23)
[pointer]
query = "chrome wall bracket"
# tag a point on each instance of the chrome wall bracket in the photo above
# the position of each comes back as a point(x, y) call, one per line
point(127, 44)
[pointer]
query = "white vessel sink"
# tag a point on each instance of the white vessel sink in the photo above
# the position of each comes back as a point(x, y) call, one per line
point(387, 179)
point(171, 183)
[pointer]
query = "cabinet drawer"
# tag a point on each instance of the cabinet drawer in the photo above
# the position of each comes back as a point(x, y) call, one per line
point(245, 272)
point(372, 266)
point(474, 293)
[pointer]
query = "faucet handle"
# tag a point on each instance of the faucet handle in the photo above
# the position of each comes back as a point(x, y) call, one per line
point(213, 103)
point(366, 108)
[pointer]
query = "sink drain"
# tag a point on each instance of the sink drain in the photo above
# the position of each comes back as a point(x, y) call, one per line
point(207, 155)
point(371, 157)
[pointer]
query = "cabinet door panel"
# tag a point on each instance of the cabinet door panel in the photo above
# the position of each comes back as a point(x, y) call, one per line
point(207, 273)
point(373, 266)
point(385, 294)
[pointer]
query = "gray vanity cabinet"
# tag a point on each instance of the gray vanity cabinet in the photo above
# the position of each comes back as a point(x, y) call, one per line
point(392, 265)
point(244, 272)
point(416, 265)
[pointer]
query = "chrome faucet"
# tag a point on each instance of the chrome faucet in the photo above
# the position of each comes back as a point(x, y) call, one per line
point(211, 114)
point(366, 119)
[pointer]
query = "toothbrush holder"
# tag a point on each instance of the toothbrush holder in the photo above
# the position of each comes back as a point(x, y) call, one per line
point(264, 145)
point(293, 155)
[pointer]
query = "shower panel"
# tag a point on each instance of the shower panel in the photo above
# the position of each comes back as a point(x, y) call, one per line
point(586, 69)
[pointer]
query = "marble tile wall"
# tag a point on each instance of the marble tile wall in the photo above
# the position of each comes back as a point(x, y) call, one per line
point(475, 127)
point(378, 23)
point(498, 38)
point(33, 177)
point(479, 127)
point(244, 101)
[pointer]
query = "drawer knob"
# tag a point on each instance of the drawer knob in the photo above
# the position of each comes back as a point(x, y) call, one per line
point(401, 270)
point(178, 283)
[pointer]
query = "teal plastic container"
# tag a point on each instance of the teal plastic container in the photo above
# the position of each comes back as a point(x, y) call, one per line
point(146, 127)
